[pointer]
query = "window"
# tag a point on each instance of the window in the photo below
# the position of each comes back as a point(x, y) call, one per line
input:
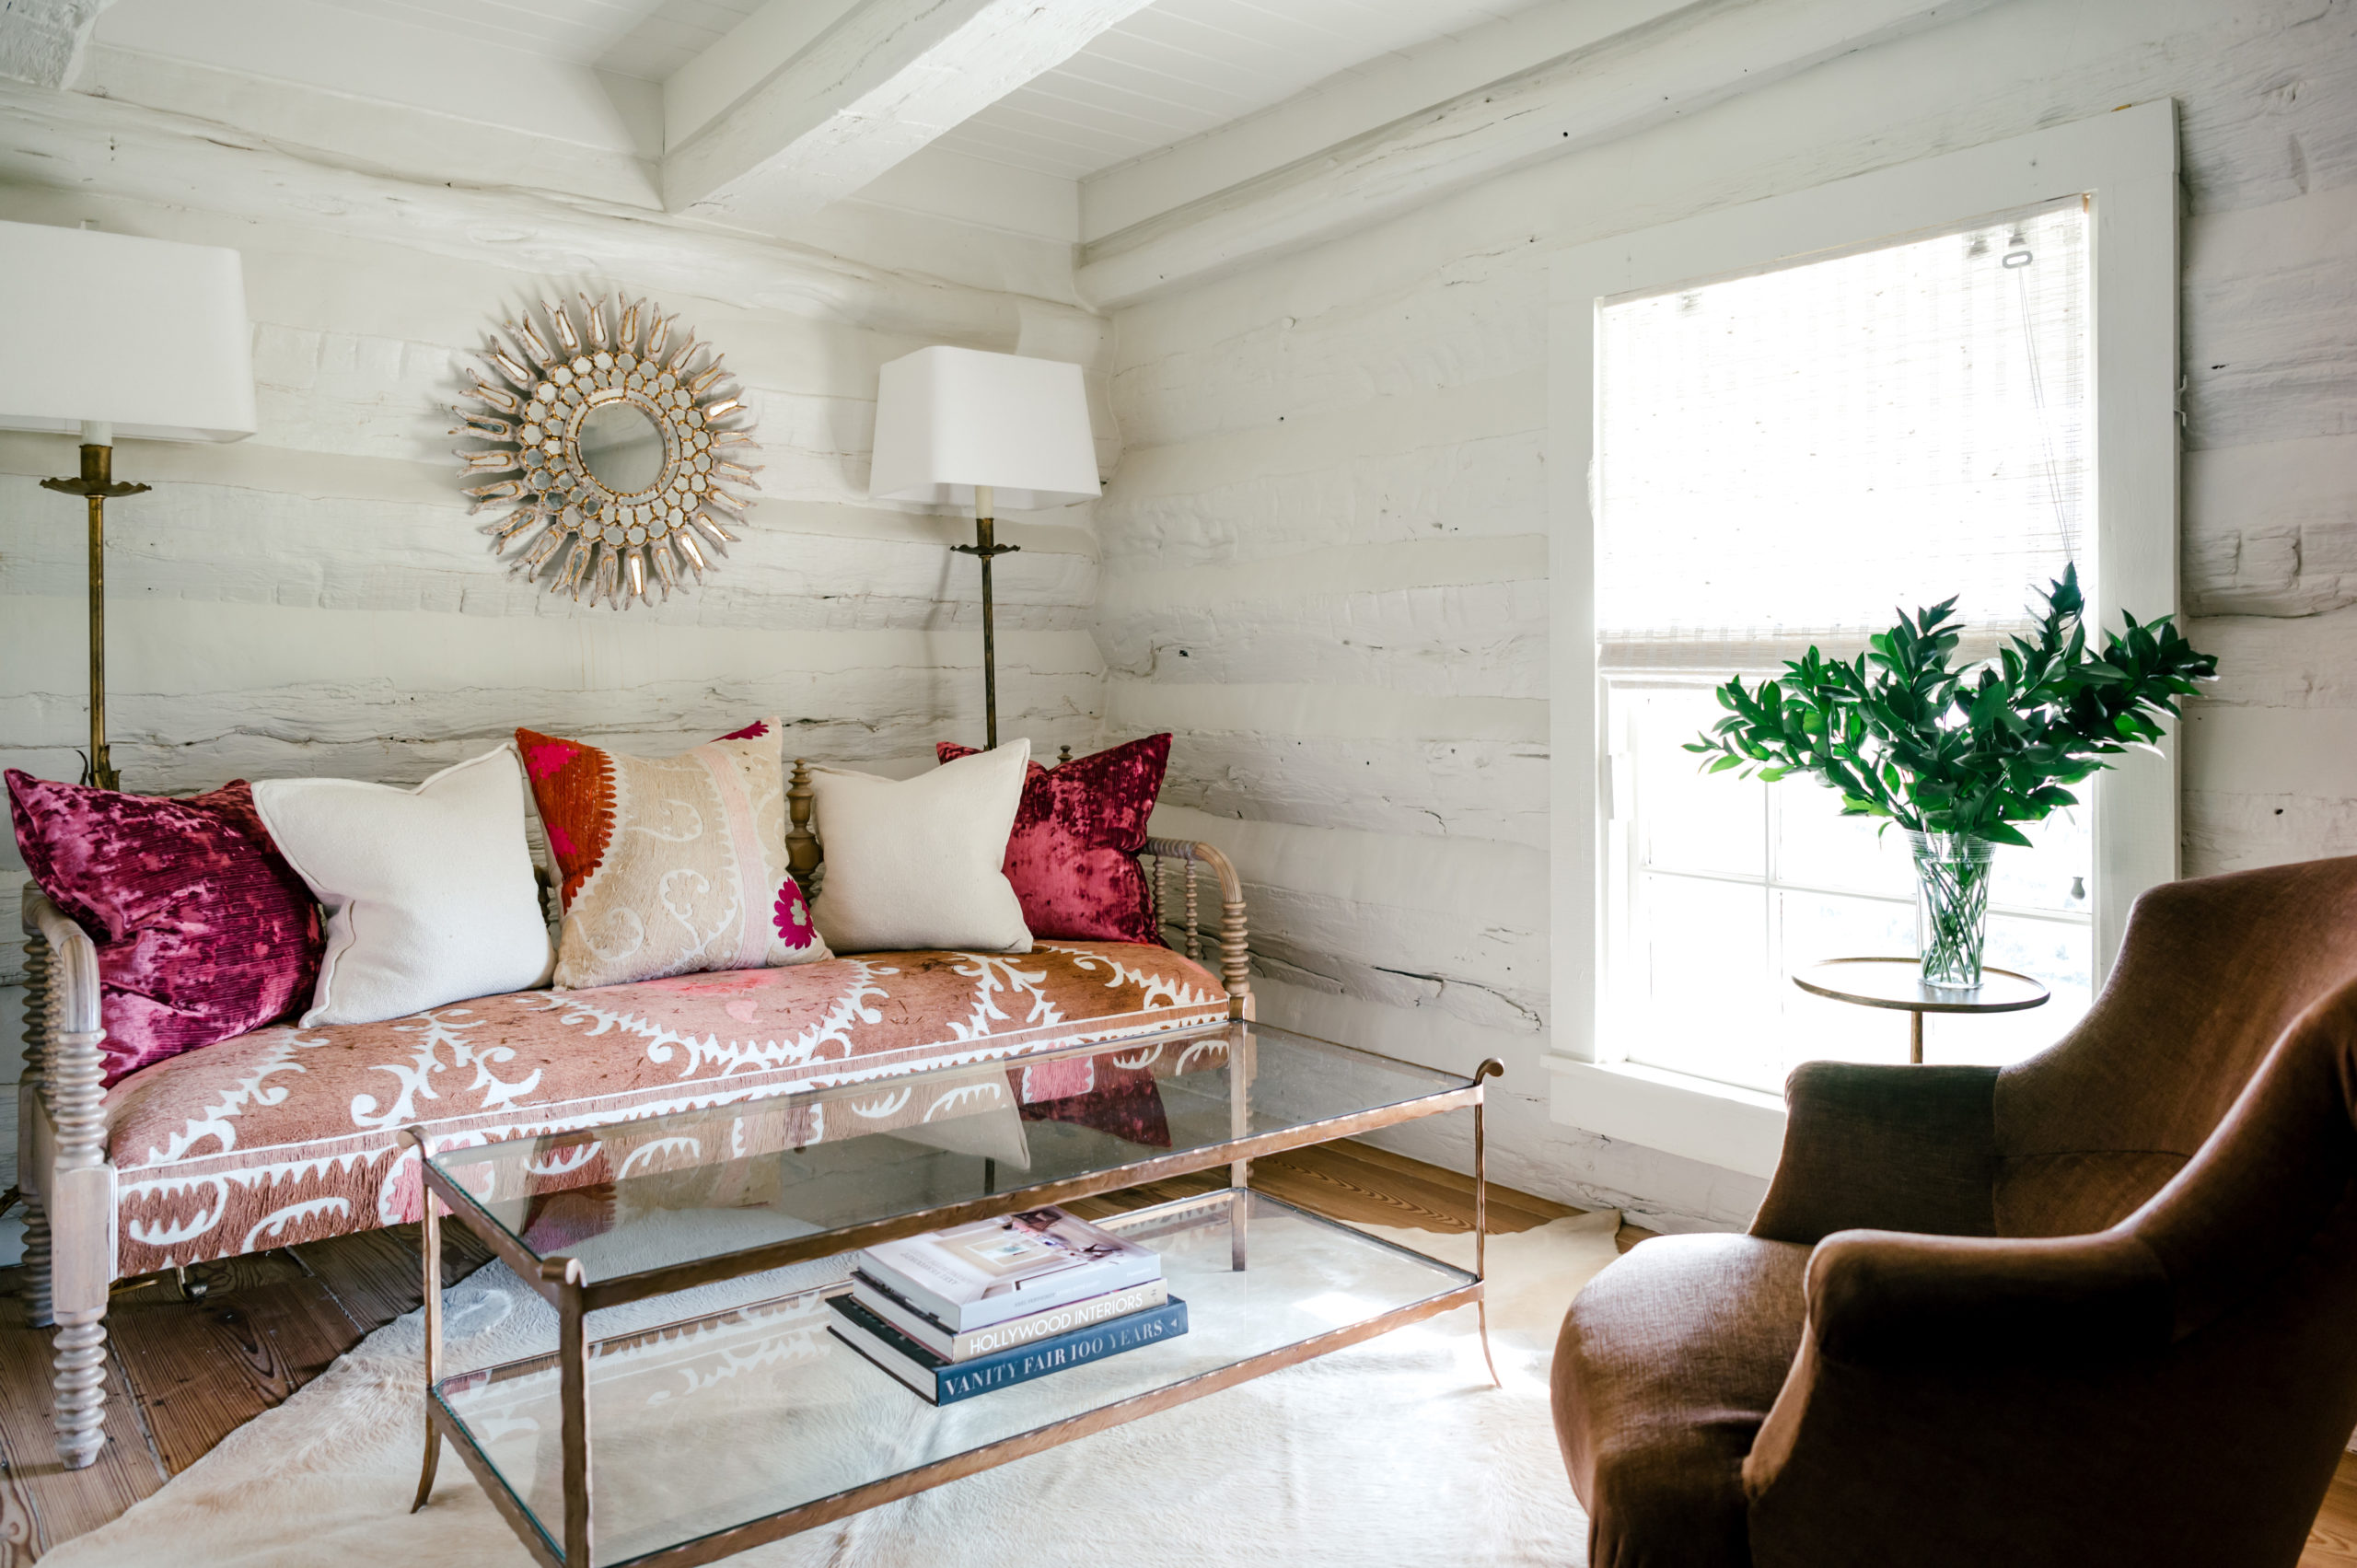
point(1782, 459)
point(1808, 408)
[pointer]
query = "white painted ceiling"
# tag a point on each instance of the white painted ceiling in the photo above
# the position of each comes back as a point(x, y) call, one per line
point(1182, 67)
point(649, 39)
point(583, 90)
point(1174, 70)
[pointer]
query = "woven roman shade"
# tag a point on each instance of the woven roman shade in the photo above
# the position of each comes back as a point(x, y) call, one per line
point(1784, 458)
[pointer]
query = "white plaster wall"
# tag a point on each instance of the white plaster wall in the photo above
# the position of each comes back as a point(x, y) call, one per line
point(316, 601)
point(1324, 554)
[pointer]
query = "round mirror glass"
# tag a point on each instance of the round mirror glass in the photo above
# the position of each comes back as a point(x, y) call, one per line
point(621, 446)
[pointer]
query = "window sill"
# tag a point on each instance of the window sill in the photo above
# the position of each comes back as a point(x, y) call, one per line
point(1735, 1129)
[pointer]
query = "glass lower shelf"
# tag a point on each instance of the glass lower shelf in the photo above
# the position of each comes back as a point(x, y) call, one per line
point(708, 1425)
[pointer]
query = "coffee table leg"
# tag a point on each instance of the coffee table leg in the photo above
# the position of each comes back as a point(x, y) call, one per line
point(1481, 1208)
point(1493, 1068)
point(573, 1372)
point(1239, 1125)
point(430, 1248)
point(1914, 1039)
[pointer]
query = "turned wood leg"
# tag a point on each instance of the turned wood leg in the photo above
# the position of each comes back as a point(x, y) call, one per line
point(39, 1312)
point(81, 1352)
point(80, 1203)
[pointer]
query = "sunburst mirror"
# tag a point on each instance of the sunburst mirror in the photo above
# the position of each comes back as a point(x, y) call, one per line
point(614, 450)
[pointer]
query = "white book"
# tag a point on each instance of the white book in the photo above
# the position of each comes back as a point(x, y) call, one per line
point(971, 1276)
point(996, 1337)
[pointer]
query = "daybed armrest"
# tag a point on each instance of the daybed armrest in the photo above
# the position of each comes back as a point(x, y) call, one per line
point(63, 1028)
point(1235, 937)
point(1876, 1299)
point(1884, 1148)
point(61, 1161)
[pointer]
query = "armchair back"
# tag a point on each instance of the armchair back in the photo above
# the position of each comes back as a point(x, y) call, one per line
point(2211, 974)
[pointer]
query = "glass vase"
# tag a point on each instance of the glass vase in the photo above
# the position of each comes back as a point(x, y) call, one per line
point(1950, 907)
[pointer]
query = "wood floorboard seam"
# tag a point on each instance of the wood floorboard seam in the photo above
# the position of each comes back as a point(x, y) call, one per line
point(139, 1421)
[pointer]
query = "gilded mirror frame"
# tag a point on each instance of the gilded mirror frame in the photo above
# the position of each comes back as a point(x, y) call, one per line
point(573, 532)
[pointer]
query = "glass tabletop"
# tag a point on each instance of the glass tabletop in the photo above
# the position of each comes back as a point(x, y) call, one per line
point(732, 1188)
point(1897, 984)
point(760, 1413)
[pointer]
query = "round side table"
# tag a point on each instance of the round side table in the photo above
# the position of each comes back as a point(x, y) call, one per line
point(1898, 983)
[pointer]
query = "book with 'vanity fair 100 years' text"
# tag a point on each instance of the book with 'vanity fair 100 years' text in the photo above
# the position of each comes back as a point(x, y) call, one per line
point(943, 1382)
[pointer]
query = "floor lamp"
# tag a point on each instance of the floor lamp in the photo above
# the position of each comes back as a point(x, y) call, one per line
point(107, 335)
point(956, 426)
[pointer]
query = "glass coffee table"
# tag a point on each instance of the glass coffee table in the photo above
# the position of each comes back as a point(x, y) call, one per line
point(728, 1429)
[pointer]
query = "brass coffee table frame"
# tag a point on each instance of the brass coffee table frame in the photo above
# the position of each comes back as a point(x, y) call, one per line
point(563, 1283)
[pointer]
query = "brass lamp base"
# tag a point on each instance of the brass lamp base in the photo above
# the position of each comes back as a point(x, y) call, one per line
point(96, 485)
point(987, 547)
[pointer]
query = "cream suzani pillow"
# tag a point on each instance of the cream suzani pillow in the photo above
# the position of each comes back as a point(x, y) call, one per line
point(669, 864)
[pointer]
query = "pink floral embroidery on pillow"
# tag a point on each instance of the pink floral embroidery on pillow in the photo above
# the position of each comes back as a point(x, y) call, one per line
point(753, 731)
point(792, 916)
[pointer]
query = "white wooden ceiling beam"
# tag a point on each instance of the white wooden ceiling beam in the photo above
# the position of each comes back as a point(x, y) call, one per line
point(1676, 65)
point(837, 109)
point(41, 40)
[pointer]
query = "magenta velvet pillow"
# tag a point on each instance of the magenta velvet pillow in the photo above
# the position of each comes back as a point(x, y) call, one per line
point(203, 929)
point(1071, 857)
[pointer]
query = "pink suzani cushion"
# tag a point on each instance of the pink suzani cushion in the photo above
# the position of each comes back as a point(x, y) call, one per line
point(1071, 858)
point(670, 864)
point(203, 930)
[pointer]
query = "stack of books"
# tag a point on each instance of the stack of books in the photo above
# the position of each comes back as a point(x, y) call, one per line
point(960, 1312)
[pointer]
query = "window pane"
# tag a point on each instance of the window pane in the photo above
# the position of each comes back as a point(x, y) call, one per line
point(2057, 953)
point(1701, 981)
point(2054, 873)
point(1693, 821)
point(1819, 847)
point(1816, 1029)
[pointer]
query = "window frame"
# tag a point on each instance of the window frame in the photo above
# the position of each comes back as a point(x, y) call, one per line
point(2126, 164)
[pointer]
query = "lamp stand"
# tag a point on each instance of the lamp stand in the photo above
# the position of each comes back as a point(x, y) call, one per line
point(96, 485)
point(985, 546)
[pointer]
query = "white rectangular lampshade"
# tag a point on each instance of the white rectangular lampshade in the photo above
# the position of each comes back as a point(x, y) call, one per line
point(147, 335)
point(948, 418)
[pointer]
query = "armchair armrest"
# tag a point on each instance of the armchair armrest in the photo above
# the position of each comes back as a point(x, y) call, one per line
point(1948, 1387)
point(1884, 1148)
point(1880, 1299)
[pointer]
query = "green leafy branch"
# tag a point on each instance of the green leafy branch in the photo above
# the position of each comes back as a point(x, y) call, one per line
point(1902, 736)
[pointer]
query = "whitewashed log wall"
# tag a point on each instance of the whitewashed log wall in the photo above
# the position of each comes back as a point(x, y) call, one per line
point(316, 600)
point(1325, 551)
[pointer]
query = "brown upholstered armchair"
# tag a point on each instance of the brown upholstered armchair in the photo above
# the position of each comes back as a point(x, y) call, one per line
point(2097, 1308)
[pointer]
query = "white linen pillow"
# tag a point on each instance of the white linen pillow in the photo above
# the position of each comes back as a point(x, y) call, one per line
point(429, 892)
point(915, 863)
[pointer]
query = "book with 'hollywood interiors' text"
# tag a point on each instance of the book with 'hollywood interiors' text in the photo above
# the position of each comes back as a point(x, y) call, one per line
point(971, 1276)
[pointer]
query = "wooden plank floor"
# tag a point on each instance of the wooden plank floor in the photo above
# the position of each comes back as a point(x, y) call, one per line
point(182, 1374)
